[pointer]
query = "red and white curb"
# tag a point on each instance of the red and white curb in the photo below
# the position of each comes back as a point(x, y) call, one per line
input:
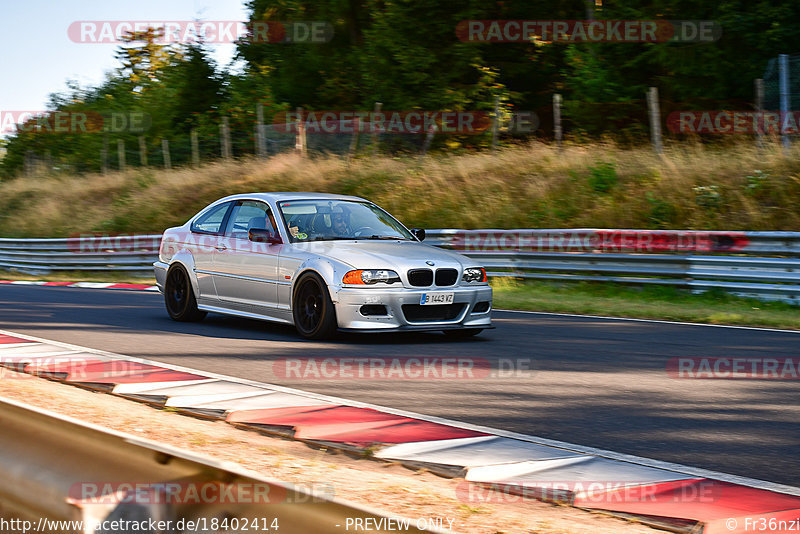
point(668, 495)
point(85, 285)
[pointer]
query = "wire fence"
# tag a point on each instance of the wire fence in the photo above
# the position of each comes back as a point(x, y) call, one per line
point(247, 134)
point(772, 89)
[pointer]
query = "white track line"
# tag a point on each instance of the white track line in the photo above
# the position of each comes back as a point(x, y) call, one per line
point(92, 285)
point(660, 321)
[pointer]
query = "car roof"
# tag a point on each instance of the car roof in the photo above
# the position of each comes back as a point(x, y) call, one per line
point(292, 195)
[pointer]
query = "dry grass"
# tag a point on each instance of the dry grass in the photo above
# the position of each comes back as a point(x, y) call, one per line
point(595, 185)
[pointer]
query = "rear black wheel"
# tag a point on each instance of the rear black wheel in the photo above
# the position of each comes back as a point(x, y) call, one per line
point(179, 296)
point(312, 308)
point(463, 333)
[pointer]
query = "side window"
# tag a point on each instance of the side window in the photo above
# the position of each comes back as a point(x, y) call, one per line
point(249, 214)
point(211, 221)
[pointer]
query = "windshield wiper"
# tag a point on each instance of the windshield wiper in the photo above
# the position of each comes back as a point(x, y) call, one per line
point(329, 238)
point(391, 237)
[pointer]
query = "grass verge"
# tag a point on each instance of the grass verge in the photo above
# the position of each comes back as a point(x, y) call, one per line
point(691, 186)
point(650, 302)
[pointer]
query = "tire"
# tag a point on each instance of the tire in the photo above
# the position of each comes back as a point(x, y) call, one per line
point(179, 296)
point(463, 333)
point(312, 308)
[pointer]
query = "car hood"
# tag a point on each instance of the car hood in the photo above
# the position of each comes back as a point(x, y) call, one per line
point(375, 254)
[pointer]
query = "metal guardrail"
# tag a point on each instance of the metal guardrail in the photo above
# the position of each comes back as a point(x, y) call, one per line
point(620, 241)
point(737, 262)
point(134, 253)
point(99, 475)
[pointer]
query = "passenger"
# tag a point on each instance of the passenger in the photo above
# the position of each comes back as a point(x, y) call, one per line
point(295, 232)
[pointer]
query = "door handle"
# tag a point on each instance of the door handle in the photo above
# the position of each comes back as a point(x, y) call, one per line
point(221, 247)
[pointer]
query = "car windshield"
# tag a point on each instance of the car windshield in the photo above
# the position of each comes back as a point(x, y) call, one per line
point(328, 220)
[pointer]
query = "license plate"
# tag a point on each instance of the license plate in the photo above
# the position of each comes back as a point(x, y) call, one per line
point(428, 299)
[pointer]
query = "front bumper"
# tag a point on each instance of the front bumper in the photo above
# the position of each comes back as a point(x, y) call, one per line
point(349, 302)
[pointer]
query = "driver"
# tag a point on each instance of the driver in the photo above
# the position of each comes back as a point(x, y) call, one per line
point(340, 222)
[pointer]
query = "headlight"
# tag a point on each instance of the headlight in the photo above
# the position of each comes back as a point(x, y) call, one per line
point(370, 276)
point(474, 274)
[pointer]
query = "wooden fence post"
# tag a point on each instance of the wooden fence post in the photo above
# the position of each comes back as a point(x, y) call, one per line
point(655, 120)
point(195, 148)
point(142, 151)
point(376, 128)
point(354, 139)
point(104, 155)
point(495, 122)
point(261, 141)
point(557, 131)
point(121, 153)
point(428, 139)
point(300, 139)
point(759, 90)
point(165, 154)
point(225, 138)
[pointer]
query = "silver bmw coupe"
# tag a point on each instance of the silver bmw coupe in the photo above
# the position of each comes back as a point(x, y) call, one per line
point(320, 262)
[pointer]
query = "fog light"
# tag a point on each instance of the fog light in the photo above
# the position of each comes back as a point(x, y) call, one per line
point(373, 309)
point(481, 307)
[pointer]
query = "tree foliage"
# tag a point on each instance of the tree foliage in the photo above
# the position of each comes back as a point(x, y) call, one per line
point(407, 55)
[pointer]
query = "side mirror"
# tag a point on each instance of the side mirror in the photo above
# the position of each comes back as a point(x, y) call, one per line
point(259, 235)
point(419, 233)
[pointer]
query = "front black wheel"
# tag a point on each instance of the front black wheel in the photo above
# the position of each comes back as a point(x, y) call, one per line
point(179, 296)
point(312, 308)
point(463, 333)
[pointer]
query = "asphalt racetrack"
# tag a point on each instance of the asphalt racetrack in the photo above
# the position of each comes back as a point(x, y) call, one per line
point(597, 382)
